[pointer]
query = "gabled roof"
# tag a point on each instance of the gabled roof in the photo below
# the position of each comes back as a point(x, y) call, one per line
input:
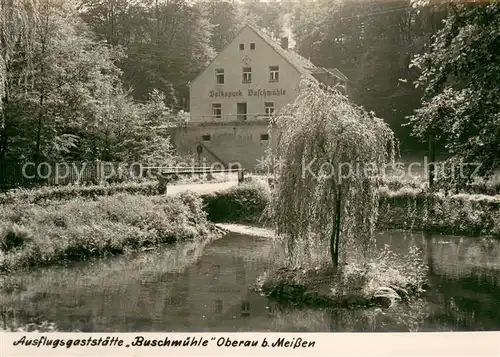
point(336, 73)
point(303, 65)
point(300, 63)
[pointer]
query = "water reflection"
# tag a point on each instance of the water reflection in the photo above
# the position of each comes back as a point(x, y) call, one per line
point(206, 287)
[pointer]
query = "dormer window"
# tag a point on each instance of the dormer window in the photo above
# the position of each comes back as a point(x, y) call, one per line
point(252, 46)
point(242, 46)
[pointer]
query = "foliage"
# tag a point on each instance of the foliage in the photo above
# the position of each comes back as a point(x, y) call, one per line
point(461, 214)
point(81, 229)
point(13, 325)
point(372, 43)
point(225, 17)
point(244, 203)
point(167, 43)
point(62, 95)
point(460, 75)
point(385, 274)
point(18, 25)
point(385, 279)
point(326, 134)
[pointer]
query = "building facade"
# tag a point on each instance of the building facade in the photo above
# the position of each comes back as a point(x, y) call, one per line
point(232, 100)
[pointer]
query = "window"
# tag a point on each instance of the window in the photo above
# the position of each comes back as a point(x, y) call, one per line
point(218, 306)
point(274, 73)
point(217, 110)
point(252, 46)
point(215, 273)
point(206, 137)
point(242, 46)
point(247, 75)
point(216, 268)
point(169, 300)
point(241, 277)
point(219, 76)
point(264, 137)
point(269, 108)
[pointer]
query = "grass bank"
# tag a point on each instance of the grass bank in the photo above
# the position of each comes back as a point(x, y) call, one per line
point(458, 214)
point(78, 223)
point(80, 229)
point(407, 207)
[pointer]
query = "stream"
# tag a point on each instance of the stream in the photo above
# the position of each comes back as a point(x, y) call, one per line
point(197, 287)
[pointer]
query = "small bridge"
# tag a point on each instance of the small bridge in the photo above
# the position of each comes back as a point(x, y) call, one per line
point(166, 174)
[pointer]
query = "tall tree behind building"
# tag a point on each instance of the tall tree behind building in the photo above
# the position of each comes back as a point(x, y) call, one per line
point(166, 42)
point(62, 94)
point(372, 42)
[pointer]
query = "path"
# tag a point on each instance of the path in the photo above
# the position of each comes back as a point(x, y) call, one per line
point(200, 188)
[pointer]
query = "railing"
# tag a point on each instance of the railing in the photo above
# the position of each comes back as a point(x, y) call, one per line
point(165, 174)
point(249, 117)
point(24, 174)
point(210, 151)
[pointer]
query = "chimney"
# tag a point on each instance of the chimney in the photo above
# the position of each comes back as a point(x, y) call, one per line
point(284, 43)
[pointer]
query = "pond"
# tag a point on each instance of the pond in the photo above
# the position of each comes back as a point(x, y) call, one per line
point(206, 286)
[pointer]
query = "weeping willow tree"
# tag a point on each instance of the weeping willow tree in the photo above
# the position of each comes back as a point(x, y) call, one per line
point(19, 25)
point(328, 161)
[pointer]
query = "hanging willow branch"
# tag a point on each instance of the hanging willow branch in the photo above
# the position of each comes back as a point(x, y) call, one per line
point(328, 147)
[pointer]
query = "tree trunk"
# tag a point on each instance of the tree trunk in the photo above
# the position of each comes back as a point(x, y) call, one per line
point(432, 158)
point(334, 240)
point(42, 90)
point(429, 251)
point(4, 133)
point(39, 129)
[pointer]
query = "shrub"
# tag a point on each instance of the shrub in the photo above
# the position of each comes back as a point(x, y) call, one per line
point(245, 203)
point(80, 229)
point(386, 277)
point(461, 214)
point(13, 237)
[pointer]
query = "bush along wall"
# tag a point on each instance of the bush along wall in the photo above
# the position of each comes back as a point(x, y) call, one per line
point(79, 229)
point(461, 214)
